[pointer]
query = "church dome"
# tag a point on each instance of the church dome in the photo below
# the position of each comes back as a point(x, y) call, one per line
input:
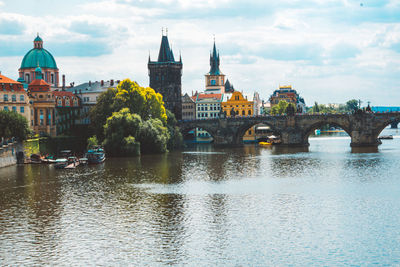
point(38, 56)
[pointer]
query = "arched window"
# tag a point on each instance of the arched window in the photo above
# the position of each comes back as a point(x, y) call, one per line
point(59, 101)
point(243, 112)
point(249, 112)
point(52, 78)
point(27, 78)
point(67, 102)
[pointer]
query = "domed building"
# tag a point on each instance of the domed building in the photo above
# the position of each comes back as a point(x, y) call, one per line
point(38, 57)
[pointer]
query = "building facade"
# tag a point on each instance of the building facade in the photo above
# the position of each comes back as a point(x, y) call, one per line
point(188, 108)
point(208, 106)
point(89, 93)
point(39, 57)
point(43, 121)
point(238, 105)
point(67, 110)
point(288, 94)
point(166, 78)
point(13, 97)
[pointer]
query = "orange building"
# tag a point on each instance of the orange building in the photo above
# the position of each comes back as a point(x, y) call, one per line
point(43, 106)
point(13, 97)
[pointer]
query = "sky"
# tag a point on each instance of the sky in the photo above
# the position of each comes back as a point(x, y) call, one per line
point(330, 51)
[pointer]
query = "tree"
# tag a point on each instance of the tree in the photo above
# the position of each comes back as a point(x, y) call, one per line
point(92, 142)
point(352, 105)
point(280, 108)
point(139, 100)
point(316, 107)
point(101, 111)
point(176, 138)
point(13, 125)
point(153, 136)
point(121, 131)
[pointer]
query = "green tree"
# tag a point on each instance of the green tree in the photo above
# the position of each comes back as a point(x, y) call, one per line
point(101, 111)
point(280, 108)
point(352, 105)
point(316, 107)
point(92, 142)
point(121, 131)
point(153, 136)
point(176, 138)
point(13, 125)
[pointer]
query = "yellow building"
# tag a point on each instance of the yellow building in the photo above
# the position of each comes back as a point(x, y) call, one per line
point(237, 105)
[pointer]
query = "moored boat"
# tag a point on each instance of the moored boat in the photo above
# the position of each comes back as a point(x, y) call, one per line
point(386, 137)
point(267, 144)
point(61, 163)
point(96, 155)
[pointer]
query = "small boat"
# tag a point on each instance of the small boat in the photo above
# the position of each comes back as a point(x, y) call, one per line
point(72, 162)
point(96, 155)
point(386, 137)
point(61, 163)
point(83, 161)
point(35, 159)
point(264, 144)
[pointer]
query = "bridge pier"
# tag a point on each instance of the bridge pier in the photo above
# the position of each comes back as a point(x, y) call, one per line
point(364, 138)
point(293, 137)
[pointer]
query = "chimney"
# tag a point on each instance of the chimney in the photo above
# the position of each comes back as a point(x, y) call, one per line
point(90, 83)
point(102, 83)
point(111, 82)
point(63, 82)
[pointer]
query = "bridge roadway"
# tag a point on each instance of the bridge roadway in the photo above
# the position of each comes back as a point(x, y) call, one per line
point(363, 128)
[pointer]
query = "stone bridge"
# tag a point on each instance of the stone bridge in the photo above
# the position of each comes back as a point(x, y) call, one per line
point(363, 128)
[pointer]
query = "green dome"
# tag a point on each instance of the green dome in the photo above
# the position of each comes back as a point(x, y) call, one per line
point(38, 56)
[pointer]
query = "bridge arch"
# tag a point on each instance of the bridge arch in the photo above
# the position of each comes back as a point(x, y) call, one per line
point(188, 126)
point(309, 130)
point(382, 125)
point(246, 126)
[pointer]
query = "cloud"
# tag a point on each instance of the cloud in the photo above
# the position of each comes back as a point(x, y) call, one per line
point(11, 27)
point(84, 27)
point(343, 51)
point(88, 48)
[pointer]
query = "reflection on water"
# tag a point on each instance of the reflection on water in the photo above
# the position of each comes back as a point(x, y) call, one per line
point(208, 206)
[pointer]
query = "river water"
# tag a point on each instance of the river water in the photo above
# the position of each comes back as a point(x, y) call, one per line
point(207, 206)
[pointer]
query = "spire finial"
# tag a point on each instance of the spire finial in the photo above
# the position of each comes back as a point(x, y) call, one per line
point(162, 31)
point(37, 34)
point(166, 31)
point(214, 38)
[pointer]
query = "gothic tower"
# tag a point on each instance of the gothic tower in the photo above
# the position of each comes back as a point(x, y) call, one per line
point(165, 77)
point(215, 79)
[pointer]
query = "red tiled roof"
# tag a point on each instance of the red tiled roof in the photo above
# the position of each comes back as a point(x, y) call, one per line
point(62, 93)
point(201, 96)
point(4, 79)
point(38, 82)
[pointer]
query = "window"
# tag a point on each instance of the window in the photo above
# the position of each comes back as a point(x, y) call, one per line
point(21, 98)
point(5, 97)
point(41, 117)
point(59, 102)
point(243, 113)
point(52, 78)
point(22, 109)
point(213, 82)
point(27, 78)
point(249, 112)
point(67, 102)
point(6, 108)
point(14, 109)
point(14, 98)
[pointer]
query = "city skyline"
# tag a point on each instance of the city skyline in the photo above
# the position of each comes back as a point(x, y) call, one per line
point(330, 51)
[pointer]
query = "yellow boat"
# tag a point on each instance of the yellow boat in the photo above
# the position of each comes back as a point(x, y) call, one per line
point(264, 144)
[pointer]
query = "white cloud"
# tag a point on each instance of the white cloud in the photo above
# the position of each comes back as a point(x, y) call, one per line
point(315, 45)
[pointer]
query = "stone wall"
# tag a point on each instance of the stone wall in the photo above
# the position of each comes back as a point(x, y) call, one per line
point(8, 155)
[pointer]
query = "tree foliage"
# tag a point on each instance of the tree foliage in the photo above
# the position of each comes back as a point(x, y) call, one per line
point(280, 108)
point(153, 136)
point(121, 130)
point(13, 124)
point(138, 100)
point(352, 105)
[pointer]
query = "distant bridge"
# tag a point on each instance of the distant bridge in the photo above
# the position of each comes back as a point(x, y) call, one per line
point(381, 109)
point(363, 128)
